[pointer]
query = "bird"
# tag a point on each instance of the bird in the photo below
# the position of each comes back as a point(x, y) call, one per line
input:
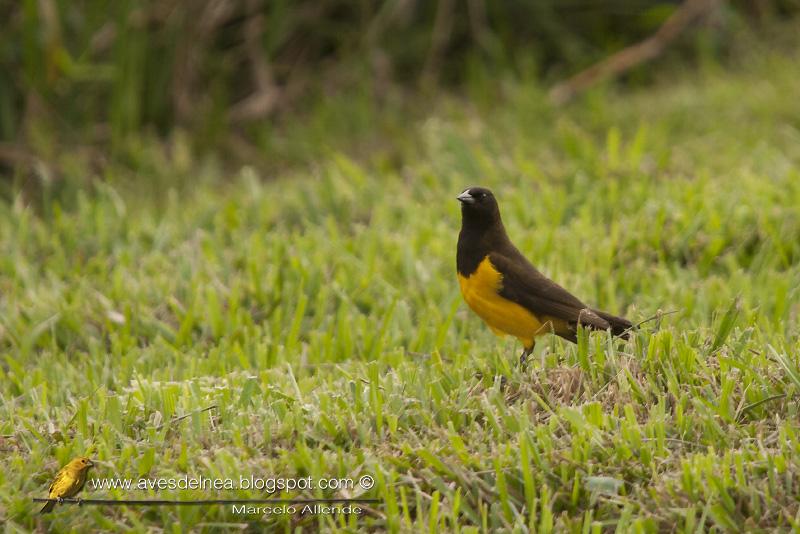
point(505, 290)
point(68, 482)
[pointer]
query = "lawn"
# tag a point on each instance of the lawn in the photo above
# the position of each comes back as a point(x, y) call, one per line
point(307, 323)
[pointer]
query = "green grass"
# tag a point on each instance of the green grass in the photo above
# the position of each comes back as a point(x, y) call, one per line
point(317, 316)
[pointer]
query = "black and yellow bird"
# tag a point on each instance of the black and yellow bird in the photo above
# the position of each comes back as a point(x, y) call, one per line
point(506, 291)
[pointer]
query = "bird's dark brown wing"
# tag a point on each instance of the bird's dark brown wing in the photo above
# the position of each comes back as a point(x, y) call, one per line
point(529, 288)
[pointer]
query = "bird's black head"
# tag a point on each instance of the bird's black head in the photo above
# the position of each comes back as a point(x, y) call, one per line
point(478, 207)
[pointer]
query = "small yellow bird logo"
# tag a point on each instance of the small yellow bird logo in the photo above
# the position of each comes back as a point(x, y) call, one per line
point(68, 482)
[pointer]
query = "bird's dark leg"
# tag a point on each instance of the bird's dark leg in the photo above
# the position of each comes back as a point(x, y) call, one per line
point(60, 500)
point(526, 351)
point(80, 501)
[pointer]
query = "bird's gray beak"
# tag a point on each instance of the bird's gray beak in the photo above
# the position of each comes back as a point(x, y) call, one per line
point(466, 198)
point(90, 464)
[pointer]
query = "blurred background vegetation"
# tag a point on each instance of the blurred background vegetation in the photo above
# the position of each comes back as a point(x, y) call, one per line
point(87, 82)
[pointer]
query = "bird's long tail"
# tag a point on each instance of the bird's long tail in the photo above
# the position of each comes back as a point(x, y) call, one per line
point(619, 325)
point(48, 507)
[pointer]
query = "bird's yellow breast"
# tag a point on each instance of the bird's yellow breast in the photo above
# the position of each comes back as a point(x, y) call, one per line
point(481, 290)
point(68, 482)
